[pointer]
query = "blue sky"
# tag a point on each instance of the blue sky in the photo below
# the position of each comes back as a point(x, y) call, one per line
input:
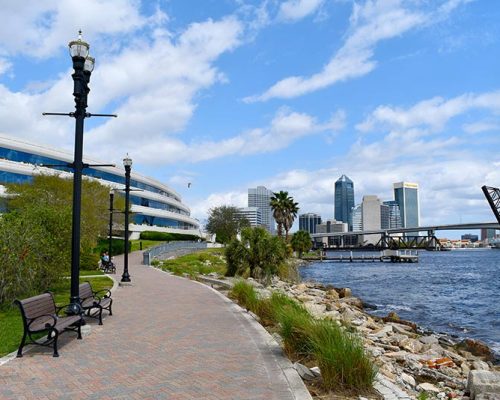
point(230, 94)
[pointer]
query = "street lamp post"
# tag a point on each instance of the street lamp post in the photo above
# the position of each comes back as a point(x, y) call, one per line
point(83, 66)
point(111, 196)
point(127, 163)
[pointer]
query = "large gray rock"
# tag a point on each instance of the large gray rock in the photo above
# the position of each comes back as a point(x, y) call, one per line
point(484, 382)
point(304, 372)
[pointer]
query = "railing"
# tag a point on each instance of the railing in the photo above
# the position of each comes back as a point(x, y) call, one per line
point(156, 251)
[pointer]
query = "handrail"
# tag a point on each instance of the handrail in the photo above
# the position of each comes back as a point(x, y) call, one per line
point(155, 251)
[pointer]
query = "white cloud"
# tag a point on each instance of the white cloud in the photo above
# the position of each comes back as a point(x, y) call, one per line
point(292, 10)
point(481, 126)
point(286, 127)
point(370, 23)
point(430, 114)
point(42, 27)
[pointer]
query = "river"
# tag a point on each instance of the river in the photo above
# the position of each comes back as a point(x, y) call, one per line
point(456, 292)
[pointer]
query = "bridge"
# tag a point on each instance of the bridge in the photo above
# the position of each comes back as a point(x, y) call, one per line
point(401, 238)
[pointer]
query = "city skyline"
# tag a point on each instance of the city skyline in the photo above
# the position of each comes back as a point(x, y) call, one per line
point(290, 95)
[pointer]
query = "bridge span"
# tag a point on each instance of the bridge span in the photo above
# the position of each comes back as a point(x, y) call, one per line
point(394, 238)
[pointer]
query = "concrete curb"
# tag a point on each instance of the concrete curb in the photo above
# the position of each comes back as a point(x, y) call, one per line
point(9, 357)
point(295, 383)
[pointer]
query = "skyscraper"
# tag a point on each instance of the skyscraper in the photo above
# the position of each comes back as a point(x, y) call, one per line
point(252, 214)
point(261, 197)
point(371, 218)
point(406, 195)
point(308, 222)
point(344, 200)
point(394, 214)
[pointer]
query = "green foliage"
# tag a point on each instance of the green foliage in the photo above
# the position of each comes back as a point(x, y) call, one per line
point(284, 211)
point(200, 262)
point(258, 252)
point(339, 354)
point(35, 235)
point(225, 222)
point(117, 247)
point(423, 396)
point(245, 295)
point(89, 260)
point(341, 357)
point(167, 236)
point(301, 242)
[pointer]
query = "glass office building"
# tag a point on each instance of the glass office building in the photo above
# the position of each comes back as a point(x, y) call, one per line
point(394, 215)
point(344, 200)
point(309, 222)
point(406, 195)
point(155, 206)
point(261, 197)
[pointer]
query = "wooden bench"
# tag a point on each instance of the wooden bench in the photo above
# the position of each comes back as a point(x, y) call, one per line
point(40, 316)
point(90, 300)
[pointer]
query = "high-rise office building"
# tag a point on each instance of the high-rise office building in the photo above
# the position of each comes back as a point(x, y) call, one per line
point(371, 219)
point(357, 218)
point(385, 214)
point(344, 200)
point(487, 234)
point(308, 222)
point(394, 214)
point(252, 214)
point(406, 195)
point(261, 197)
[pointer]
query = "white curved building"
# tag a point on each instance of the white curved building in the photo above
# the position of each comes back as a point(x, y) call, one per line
point(155, 206)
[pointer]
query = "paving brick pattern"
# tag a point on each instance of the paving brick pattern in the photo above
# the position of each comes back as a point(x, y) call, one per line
point(169, 338)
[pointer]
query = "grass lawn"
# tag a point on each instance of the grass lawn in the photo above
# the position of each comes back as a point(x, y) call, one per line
point(200, 262)
point(11, 324)
point(91, 272)
point(146, 244)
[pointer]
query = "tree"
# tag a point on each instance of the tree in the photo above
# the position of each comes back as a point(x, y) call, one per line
point(258, 253)
point(284, 211)
point(225, 222)
point(301, 242)
point(35, 233)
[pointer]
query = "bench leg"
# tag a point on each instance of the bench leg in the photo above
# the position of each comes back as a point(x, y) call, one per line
point(100, 315)
point(80, 330)
point(23, 342)
point(56, 335)
point(110, 304)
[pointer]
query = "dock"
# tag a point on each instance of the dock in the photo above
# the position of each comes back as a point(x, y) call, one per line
point(395, 256)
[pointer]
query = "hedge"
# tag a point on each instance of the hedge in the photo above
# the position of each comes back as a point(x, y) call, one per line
point(167, 236)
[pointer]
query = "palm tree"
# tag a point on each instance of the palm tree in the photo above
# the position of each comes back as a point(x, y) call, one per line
point(291, 213)
point(284, 211)
point(301, 242)
point(278, 205)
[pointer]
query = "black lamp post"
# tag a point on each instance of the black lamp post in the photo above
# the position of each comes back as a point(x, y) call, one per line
point(127, 163)
point(83, 66)
point(111, 196)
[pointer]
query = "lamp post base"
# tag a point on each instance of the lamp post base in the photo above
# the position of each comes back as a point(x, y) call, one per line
point(121, 284)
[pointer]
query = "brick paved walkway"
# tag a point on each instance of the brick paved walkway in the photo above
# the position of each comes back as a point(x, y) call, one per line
point(169, 338)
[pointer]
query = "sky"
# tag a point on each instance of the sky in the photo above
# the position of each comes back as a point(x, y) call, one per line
point(231, 94)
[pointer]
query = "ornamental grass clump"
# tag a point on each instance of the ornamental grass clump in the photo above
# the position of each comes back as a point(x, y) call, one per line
point(341, 357)
point(245, 295)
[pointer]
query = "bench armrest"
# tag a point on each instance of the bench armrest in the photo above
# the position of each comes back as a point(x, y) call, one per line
point(47, 325)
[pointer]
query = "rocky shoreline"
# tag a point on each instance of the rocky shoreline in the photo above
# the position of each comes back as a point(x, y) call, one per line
point(410, 361)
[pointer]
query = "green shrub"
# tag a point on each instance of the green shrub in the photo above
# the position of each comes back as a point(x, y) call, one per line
point(245, 295)
point(167, 236)
point(89, 260)
point(117, 246)
point(341, 357)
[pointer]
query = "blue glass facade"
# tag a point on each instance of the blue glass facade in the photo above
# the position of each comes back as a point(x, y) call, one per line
point(25, 157)
point(406, 195)
point(344, 200)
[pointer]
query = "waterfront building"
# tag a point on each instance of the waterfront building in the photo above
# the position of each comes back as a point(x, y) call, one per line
point(384, 216)
point(308, 222)
point(487, 235)
point(261, 197)
point(371, 218)
point(344, 200)
point(155, 206)
point(357, 218)
point(394, 214)
point(406, 195)
point(333, 226)
point(252, 214)
point(470, 237)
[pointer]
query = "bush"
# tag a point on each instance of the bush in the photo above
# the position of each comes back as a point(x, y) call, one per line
point(117, 247)
point(341, 357)
point(89, 260)
point(167, 236)
point(245, 295)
